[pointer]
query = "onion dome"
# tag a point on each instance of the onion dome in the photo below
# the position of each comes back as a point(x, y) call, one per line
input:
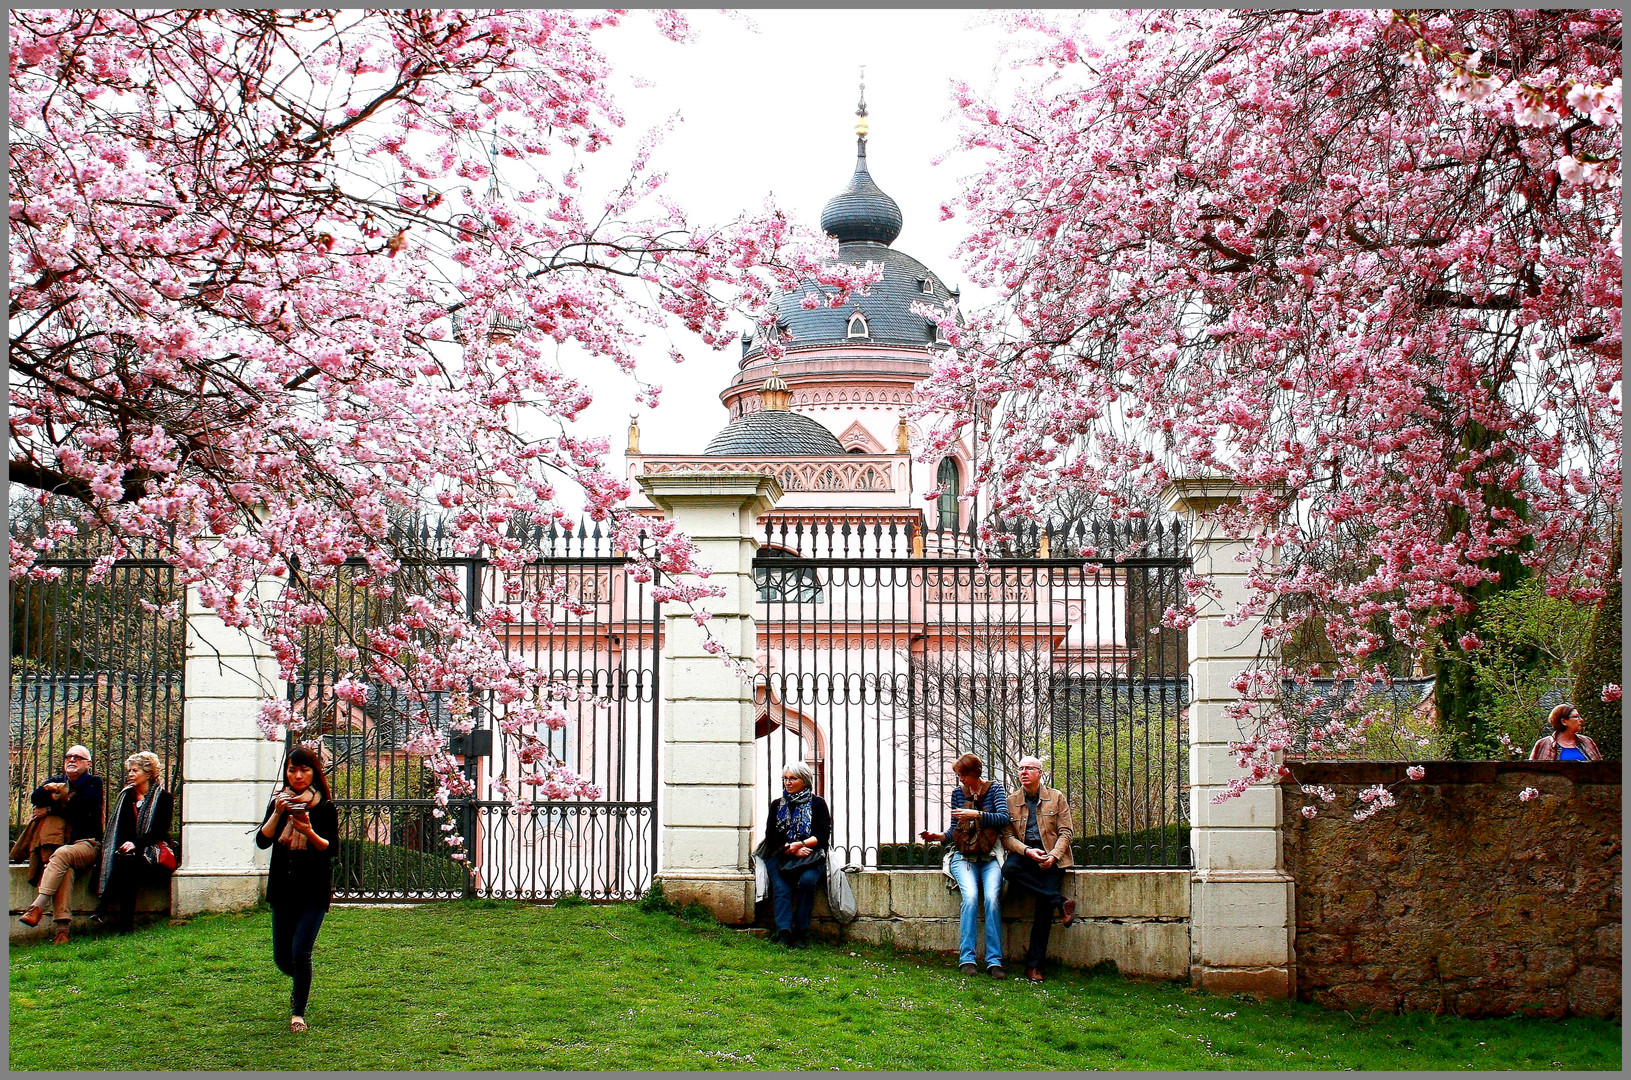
point(862, 211)
point(775, 433)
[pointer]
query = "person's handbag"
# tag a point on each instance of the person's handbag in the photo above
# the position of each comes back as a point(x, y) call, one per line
point(161, 856)
point(840, 897)
point(973, 840)
point(761, 879)
point(794, 865)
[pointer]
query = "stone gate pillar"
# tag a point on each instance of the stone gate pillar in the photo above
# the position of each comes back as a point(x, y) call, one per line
point(229, 767)
point(1242, 921)
point(705, 806)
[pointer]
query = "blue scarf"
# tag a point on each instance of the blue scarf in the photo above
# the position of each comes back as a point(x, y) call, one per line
point(793, 815)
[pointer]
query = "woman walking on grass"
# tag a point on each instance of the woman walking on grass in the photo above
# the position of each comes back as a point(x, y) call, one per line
point(301, 828)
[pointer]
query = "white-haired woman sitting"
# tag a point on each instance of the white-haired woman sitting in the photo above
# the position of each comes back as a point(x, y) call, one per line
point(797, 832)
point(141, 818)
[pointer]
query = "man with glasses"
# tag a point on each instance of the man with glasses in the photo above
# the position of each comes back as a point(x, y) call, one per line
point(1038, 842)
point(75, 795)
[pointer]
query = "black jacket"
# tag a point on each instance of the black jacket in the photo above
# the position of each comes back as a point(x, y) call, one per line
point(820, 828)
point(302, 878)
point(83, 812)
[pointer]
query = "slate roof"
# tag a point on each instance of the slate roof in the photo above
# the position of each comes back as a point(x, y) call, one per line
point(775, 433)
point(887, 306)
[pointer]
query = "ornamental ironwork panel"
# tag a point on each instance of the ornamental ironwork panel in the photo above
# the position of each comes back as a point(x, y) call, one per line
point(885, 654)
point(573, 613)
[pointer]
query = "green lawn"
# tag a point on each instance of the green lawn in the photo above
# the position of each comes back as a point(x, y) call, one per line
point(488, 985)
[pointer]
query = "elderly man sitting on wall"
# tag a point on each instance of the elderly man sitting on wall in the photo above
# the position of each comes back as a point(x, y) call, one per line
point(1038, 841)
point(74, 799)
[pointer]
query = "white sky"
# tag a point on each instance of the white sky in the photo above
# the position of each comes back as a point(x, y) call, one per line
point(767, 103)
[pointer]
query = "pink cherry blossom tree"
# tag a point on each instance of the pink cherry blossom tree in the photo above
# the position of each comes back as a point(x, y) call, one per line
point(1366, 263)
point(255, 260)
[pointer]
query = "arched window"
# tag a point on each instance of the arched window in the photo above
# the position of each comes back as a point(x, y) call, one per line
point(858, 327)
point(950, 484)
point(790, 583)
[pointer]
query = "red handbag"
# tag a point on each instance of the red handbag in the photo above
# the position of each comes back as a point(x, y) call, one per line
point(161, 856)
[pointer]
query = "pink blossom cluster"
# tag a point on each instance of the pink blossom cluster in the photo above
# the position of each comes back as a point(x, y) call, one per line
point(281, 277)
point(1338, 257)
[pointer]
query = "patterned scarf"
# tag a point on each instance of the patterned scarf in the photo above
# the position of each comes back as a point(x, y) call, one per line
point(144, 824)
point(793, 815)
point(291, 837)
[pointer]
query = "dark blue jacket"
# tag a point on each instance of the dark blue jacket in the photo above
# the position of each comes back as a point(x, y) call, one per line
point(83, 812)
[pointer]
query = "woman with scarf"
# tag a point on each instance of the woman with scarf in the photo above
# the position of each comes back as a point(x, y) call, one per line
point(301, 828)
point(141, 818)
point(797, 832)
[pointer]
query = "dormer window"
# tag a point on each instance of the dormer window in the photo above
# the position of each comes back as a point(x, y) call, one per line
point(858, 327)
point(936, 332)
point(925, 286)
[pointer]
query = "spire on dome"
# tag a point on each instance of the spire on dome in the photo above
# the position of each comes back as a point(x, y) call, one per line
point(862, 211)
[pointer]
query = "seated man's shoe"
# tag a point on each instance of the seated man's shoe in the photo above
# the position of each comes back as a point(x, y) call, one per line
point(1068, 910)
point(61, 936)
point(969, 969)
point(997, 972)
point(1034, 974)
point(31, 917)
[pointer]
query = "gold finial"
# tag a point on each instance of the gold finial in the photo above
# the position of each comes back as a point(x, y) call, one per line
point(860, 110)
point(775, 393)
point(634, 434)
point(903, 437)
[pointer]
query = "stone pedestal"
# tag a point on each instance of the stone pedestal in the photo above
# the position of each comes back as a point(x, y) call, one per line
point(230, 767)
point(1242, 908)
point(706, 799)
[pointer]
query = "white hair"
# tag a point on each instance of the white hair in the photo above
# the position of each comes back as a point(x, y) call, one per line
point(82, 749)
point(803, 771)
point(1029, 760)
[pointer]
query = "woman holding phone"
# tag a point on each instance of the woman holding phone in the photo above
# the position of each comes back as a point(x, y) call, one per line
point(301, 828)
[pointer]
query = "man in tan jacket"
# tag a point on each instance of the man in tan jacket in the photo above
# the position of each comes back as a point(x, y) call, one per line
point(1038, 842)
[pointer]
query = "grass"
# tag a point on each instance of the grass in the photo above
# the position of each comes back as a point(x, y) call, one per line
point(497, 985)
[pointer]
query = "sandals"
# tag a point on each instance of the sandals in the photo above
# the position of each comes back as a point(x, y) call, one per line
point(297, 1025)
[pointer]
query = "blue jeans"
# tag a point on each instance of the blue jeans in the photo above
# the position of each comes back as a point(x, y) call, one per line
point(972, 879)
point(794, 900)
point(294, 932)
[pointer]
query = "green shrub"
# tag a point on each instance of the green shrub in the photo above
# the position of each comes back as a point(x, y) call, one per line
point(654, 902)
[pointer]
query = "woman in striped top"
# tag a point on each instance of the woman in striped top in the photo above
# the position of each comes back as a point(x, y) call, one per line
point(979, 814)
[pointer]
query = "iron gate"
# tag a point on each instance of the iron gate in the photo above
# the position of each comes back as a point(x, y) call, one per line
point(887, 653)
point(600, 635)
point(97, 659)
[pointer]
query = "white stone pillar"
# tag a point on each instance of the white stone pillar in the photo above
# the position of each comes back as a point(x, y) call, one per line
point(1242, 923)
point(706, 800)
point(230, 768)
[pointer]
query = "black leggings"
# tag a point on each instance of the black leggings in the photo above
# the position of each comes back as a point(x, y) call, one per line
point(294, 932)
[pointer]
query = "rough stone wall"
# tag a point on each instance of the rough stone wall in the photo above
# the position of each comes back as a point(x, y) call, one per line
point(1462, 899)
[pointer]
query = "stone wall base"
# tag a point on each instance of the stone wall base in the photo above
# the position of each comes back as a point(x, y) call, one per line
point(1139, 919)
point(728, 897)
point(152, 901)
point(1261, 982)
point(193, 892)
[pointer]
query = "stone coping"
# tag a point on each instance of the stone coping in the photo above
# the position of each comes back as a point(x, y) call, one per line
point(1447, 772)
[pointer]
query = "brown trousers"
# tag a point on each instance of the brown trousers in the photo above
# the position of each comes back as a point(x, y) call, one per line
point(57, 882)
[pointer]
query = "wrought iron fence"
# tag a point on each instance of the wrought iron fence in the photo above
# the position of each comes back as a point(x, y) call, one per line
point(97, 658)
point(886, 653)
point(577, 616)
